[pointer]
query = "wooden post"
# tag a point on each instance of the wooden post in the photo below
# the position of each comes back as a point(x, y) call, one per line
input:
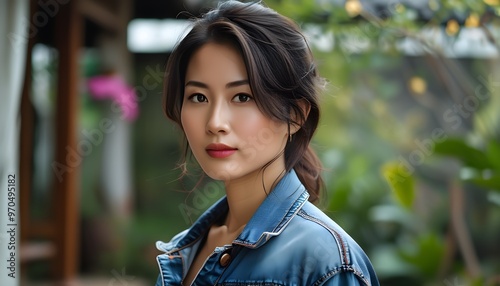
point(26, 141)
point(69, 33)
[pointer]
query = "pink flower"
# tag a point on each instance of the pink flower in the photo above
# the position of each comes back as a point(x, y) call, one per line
point(114, 87)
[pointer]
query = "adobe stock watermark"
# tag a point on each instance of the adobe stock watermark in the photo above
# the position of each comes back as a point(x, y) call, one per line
point(48, 9)
point(120, 278)
point(454, 116)
point(200, 200)
point(324, 249)
point(84, 147)
point(454, 282)
point(90, 139)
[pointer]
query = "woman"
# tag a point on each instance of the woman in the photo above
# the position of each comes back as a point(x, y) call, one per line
point(243, 87)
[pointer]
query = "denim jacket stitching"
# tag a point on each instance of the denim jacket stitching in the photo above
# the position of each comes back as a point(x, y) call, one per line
point(343, 268)
point(161, 270)
point(344, 250)
point(297, 204)
point(251, 284)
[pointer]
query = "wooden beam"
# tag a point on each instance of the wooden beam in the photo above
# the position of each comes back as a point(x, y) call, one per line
point(101, 15)
point(43, 229)
point(68, 38)
point(26, 141)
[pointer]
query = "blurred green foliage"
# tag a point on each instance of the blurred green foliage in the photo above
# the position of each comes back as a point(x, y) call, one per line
point(402, 185)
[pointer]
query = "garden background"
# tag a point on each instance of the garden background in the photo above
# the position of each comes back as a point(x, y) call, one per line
point(409, 137)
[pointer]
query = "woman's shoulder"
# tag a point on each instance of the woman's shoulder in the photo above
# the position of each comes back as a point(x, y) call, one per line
point(326, 242)
point(324, 231)
point(316, 220)
point(310, 250)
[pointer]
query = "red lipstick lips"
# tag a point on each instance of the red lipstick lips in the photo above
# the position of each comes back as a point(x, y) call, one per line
point(219, 150)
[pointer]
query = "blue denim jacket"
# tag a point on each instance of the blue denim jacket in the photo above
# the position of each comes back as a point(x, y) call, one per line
point(288, 241)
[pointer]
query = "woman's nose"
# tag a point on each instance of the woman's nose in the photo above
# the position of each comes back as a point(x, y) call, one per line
point(218, 119)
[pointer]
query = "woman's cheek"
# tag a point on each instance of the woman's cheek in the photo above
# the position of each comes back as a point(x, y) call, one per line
point(249, 151)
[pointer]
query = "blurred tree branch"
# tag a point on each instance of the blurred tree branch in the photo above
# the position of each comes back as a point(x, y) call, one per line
point(462, 235)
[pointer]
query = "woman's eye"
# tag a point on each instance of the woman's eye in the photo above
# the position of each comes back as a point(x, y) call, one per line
point(198, 98)
point(241, 97)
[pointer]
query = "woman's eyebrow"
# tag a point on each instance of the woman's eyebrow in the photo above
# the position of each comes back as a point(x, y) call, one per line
point(229, 85)
point(196, 84)
point(237, 83)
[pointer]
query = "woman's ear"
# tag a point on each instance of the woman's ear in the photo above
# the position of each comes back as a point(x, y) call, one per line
point(297, 119)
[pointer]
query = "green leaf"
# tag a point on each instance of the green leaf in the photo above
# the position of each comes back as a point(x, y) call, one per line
point(493, 153)
point(457, 148)
point(488, 179)
point(401, 183)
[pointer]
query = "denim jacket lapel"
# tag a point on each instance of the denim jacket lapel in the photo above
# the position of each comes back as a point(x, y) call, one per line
point(275, 212)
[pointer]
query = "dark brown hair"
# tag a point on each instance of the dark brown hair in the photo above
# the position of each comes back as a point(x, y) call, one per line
point(281, 71)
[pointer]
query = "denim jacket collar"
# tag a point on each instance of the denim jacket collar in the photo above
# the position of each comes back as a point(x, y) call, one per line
point(269, 220)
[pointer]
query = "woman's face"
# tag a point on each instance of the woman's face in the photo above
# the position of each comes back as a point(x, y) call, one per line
point(229, 136)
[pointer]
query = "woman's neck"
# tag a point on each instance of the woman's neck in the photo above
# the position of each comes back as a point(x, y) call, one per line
point(246, 194)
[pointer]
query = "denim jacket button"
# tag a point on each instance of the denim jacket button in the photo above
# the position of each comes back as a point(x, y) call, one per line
point(225, 259)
